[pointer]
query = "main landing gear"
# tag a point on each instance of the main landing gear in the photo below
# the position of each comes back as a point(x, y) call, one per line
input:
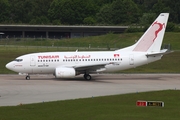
point(27, 77)
point(87, 77)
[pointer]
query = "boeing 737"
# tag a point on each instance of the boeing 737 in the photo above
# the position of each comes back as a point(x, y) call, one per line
point(70, 64)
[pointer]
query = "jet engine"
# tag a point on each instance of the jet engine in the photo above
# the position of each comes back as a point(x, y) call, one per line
point(63, 72)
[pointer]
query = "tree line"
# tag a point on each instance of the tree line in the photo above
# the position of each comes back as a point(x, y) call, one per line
point(86, 12)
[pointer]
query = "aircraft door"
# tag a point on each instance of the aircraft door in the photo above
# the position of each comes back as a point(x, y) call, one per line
point(131, 59)
point(32, 61)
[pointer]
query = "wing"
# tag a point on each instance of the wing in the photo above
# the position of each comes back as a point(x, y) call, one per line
point(92, 68)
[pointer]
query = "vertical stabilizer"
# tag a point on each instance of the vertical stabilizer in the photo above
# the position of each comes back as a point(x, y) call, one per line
point(151, 40)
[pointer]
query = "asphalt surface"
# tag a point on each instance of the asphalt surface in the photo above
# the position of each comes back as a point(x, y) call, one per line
point(15, 90)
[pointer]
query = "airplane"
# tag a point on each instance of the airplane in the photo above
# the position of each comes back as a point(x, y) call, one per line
point(70, 64)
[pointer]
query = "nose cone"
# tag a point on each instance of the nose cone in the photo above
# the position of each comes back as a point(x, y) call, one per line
point(9, 66)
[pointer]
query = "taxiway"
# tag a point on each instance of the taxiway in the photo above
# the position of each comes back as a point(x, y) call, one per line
point(15, 90)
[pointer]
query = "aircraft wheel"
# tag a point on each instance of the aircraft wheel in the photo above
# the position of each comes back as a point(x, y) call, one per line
point(87, 77)
point(27, 77)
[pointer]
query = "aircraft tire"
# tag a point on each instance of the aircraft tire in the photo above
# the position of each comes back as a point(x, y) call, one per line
point(27, 77)
point(87, 77)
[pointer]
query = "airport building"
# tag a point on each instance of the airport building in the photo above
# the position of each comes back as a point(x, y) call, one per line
point(56, 31)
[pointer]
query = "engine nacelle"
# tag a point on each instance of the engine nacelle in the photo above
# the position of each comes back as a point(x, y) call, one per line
point(63, 72)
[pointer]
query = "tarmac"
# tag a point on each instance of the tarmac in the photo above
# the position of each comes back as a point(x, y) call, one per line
point(15, 90)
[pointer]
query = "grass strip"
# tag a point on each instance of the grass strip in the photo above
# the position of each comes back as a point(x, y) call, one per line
point(116, 107)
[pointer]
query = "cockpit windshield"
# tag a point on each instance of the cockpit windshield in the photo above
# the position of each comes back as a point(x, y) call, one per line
point(18, 60)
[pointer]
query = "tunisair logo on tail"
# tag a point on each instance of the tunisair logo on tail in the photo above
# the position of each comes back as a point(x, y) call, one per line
point(148, 39)
point(160, 28)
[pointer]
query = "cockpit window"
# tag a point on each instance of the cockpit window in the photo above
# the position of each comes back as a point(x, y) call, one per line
point(18, 60)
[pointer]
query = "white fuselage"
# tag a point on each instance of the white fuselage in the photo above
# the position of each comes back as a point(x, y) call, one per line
point(37, 63)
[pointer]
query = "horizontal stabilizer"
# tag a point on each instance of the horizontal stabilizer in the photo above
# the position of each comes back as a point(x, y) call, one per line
point(162, 52)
